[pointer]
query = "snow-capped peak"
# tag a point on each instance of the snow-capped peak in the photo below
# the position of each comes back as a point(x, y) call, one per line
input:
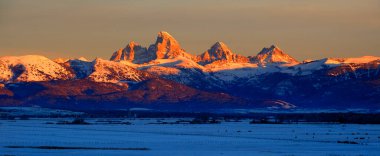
point(273, 54)
point(273, 49)
point(166, 47)
point(164, 35)
point(220, 52)
point(222, 46)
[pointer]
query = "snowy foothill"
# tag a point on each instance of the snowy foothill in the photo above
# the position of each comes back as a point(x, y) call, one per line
point(31, 68)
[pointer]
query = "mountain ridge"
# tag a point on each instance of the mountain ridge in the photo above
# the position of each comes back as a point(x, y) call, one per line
point(167, 47)
point(166, 76)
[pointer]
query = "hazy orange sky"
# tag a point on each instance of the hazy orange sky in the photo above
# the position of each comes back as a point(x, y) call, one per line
point(96, 28)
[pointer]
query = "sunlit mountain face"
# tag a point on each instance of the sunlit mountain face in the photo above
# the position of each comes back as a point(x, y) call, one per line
point(164, 76)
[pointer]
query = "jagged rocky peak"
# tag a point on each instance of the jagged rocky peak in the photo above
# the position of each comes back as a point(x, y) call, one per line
point(221, 48)
point(220, 52)
point(166, 47)
point(273, 54)
point(129, 53)
point(118, 55)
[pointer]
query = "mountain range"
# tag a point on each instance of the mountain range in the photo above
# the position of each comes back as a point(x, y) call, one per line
point(164, 76)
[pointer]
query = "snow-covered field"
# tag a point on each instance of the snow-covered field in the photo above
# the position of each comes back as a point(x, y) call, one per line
point(227, 138)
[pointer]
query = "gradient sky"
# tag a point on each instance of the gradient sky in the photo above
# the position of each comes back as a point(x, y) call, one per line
point(96, 28)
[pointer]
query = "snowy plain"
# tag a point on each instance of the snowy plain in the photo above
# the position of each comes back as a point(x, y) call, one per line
point(226, 138)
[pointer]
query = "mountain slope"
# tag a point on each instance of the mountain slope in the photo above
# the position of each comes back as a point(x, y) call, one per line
point(154, 93)
point(101, 70)
point(182, 70)
point(109, 71)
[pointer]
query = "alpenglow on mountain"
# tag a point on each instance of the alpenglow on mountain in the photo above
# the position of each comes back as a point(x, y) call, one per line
point(165, 47)
point(220, 52)
point(273, 54)
point(165, 77)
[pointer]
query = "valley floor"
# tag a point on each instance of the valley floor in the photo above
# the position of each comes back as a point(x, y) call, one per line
point(146, 137)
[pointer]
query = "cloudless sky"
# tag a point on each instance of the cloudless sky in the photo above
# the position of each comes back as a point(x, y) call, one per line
point(96, 28)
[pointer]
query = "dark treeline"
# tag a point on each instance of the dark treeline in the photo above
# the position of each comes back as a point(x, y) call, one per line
point(352, 118)
point(256, 118)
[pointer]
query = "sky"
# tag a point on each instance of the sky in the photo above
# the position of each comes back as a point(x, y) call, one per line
point(96, 28)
